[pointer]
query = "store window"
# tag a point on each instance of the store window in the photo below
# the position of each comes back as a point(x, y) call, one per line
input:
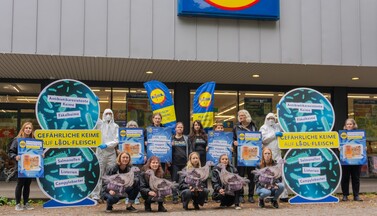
point(363, 108)
point(104, 96)
point(119, 105)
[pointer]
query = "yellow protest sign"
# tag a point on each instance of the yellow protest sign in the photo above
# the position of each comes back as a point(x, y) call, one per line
point(69, 138)
point(303, 140)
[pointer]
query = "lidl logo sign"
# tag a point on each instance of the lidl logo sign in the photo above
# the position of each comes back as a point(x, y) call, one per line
point(232, 4)
point(244, 9)
point(205, 99)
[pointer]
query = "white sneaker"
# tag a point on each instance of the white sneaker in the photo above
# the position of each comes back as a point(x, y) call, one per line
point(137, 201)
point(27, 206)
point(238, 208)
point(126, 201)
point(18, 207)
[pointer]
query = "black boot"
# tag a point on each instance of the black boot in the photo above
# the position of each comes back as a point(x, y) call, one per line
point(185, 204)
point(147, 205)
point(196, 206)
point(275, 203)
point(161, 207)
point(261, 203)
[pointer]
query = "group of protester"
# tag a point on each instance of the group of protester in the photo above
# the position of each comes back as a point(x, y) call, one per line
point(188, 152)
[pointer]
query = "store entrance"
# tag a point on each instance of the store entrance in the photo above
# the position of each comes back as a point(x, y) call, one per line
point(11, 120)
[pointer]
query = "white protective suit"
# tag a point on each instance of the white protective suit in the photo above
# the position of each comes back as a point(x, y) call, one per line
point(107, 156)
point(269, 138)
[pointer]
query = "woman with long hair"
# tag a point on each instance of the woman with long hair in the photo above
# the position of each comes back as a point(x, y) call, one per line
point(123, 165)
point(275, 188)
point(23, 184)
point(153, 163)
point(189, 192)
point(353, 171)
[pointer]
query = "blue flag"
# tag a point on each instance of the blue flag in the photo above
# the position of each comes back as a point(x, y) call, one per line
point(203, 104)
point(161, 102)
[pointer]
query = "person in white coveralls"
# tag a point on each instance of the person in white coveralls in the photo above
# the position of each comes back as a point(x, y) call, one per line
point(106, 152)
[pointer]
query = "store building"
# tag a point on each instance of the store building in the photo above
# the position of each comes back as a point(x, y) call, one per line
point(113, 45)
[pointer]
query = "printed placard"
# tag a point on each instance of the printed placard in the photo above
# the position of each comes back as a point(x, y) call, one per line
point(31, 163)
point(159, 143)
point(131, 140)
point(69, 138)
point(67, 104)
point(219, 143)
point(300, 140)
point(249, 148)
point(305, 110)
point(353, 147)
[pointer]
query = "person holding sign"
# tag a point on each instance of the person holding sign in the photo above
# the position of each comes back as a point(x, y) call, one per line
point(245, 123)
point(156, 122)
point(154, 164)
point(267, 184)
point(352, 171)
point(219, 192)
point(106, 152)
point(23, 184)
point(181, 149)
point(109, 193)
point(197, 191)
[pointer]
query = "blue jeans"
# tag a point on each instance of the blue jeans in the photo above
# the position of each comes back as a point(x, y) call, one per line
point(263, 192)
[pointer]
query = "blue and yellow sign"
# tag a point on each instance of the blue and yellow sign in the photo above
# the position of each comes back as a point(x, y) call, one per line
point(244, 9)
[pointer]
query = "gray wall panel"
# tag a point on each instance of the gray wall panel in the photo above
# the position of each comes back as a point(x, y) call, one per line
point(72, 27)
point(368, 12)
point(350, 27)
point(311, 25)
point(25, 26)
point(335, 32)
point(163, 29)
point(185, 38)
point(290, 29)
point(270, 42)
point(228, 40)
point(6, 24)
point(249, 33)
point(95, 41)
point(118, 35)
point(331, 37)
point(141, 29)
point(48, 31)
point(207, 39)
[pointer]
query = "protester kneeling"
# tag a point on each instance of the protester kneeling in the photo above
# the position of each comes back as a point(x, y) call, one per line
point(191, 183)
point(268, 179)
point(121, 181)
point(227, 184)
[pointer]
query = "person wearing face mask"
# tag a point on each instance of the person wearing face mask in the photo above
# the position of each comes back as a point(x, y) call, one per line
point(270, 133)
point(106, 152)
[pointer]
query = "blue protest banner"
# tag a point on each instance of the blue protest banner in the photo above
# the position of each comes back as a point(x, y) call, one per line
point(203, 104)
point(219, 143)
point(131, 140)
point(159, 143)
point(161, 102)
point(249, 148)
point(31, 163)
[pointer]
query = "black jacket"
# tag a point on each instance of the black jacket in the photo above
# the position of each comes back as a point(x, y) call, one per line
point(183, 185)
point(115, 170)
point(216, 182)
point(13, 149)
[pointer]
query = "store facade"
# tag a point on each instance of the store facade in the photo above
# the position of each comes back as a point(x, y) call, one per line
point(110, 45)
